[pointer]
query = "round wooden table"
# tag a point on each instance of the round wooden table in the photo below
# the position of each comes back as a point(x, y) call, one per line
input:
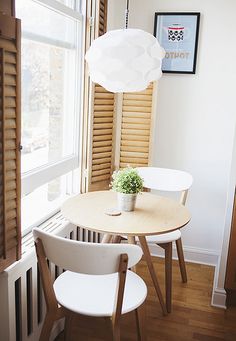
point(153, 215)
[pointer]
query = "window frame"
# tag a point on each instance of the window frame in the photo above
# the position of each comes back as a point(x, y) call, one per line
point(42, 175)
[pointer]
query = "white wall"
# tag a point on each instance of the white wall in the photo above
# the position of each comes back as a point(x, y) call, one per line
point(196, 113)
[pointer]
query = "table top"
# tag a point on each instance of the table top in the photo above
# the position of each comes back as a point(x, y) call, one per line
point(153, 214)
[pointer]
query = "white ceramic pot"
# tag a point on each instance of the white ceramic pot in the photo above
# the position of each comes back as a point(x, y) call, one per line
point(126, 202)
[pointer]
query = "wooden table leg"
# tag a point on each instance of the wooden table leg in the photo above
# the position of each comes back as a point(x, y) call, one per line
point(131, 240)
point(148, 259)
point(107, 238)
point(168, 274)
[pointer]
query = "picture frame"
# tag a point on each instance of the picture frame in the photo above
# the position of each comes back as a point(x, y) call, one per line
point(177, 33)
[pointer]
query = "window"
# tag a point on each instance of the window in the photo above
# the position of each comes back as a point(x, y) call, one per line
point(51, 81)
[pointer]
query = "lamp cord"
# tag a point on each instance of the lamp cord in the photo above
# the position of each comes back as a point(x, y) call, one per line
point(127, 14)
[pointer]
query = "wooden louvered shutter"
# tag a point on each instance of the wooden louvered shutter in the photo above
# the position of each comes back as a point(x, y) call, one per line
point(135, 128)
point(7, 7)
point(10, 238)
point(100, 164)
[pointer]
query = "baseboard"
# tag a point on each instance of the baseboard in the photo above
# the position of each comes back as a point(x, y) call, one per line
point(219, 298)
point(191, 254)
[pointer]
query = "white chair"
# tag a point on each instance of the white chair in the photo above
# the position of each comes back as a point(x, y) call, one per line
point(168, 180)
point(96, 283)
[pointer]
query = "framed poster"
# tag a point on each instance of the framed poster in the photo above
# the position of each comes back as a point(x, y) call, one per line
point(178, 33)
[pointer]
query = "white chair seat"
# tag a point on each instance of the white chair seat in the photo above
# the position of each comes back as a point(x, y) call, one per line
point(164, 238)
point(94, 295)
point(161, 238)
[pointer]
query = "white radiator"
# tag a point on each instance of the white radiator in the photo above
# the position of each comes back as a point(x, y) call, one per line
point(22, 307)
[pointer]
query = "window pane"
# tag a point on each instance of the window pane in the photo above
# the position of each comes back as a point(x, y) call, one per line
point(48, 197)
point(49, 59)
point(69, 3)
point(42, 21)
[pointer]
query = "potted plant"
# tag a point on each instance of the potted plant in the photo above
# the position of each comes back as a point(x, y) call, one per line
point(127, 183)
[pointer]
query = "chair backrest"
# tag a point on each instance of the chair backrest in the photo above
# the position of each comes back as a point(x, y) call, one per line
point(86, 258)
point(164, 179)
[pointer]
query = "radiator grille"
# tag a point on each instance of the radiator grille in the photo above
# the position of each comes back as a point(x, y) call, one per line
point(23, 307)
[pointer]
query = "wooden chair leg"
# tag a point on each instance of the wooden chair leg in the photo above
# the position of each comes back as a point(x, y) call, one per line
point(116, 316)
point(168, 275)
point(116, 239)
point(68, 324)
point(116, 333)
point(181, 260)
point(140, 315)
point(47, 327)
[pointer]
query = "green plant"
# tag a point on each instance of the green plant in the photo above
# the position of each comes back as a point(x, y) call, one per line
point(127, 181)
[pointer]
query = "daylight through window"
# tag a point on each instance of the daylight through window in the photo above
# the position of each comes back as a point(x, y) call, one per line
point(51, 80)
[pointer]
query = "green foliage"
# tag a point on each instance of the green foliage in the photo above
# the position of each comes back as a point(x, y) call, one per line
point(127, 181)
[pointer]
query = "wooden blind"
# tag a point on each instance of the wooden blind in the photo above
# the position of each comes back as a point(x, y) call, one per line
point(103, 112)
point(137, 119)
point(10, 238)
point(7, 7)
point(101, 123)
point(101, 20)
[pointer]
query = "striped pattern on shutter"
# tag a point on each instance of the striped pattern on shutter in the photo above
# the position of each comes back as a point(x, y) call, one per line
point(102, 134)
point(10, 238)
point(102, 122)
point(136, 125)
point(102, 17)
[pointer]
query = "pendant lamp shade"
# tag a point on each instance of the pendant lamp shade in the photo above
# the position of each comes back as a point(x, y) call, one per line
point(125, 60)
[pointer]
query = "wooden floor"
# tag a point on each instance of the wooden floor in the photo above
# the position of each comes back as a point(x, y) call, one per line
point(192, 317)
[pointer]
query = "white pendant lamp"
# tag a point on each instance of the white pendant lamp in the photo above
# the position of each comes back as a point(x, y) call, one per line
point(125, 60)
